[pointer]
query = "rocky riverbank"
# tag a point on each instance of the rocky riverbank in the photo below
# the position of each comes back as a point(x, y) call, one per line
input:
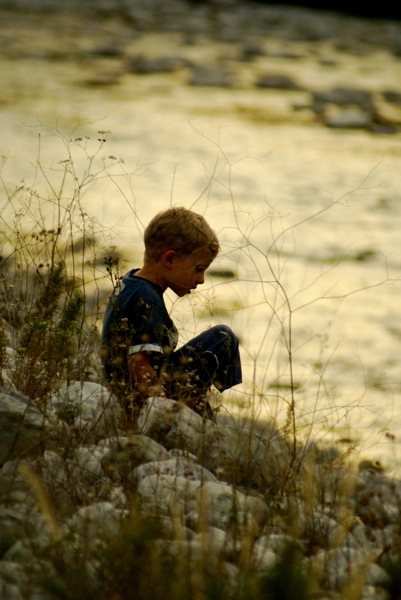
point(232, 494)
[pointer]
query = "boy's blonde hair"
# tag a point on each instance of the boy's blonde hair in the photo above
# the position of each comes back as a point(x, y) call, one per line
point(181, 230)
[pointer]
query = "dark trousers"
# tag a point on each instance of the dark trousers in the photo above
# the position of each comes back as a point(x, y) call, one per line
point(210, 358)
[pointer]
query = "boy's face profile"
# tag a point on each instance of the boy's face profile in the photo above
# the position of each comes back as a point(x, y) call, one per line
point(185, 273)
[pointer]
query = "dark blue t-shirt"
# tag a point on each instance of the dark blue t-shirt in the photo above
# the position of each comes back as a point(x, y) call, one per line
point(136, 319)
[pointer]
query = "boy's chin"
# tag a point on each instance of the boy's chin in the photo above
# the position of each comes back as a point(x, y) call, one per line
point(182, 292)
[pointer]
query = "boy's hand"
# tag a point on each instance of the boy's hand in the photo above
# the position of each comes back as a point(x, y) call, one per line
point(144, 377)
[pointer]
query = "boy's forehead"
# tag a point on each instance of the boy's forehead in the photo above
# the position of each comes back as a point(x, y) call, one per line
point(202, 255)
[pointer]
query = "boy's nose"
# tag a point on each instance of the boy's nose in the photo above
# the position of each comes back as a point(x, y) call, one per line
point(200, 279)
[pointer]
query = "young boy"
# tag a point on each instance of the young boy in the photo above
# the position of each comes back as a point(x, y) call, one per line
point(139, 338)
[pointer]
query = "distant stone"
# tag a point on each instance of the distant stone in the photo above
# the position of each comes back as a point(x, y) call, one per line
point(344, 97)
point(223, 273)
point(392, 97)
point(101, 80)
point(109, 51)
point(277, 82)
point(143, 65)
point(349, 118)
point(364, 255)
point(210, 76)
point(251, 49)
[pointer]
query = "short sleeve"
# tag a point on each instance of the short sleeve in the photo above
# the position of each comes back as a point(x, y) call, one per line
point(151, 329)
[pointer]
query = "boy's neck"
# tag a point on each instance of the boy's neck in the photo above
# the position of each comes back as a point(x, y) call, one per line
point(150, 272)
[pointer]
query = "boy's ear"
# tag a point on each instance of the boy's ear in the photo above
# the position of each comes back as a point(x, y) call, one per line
point(168, 258)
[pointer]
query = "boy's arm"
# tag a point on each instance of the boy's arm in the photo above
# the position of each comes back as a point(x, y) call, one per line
point(144, 377)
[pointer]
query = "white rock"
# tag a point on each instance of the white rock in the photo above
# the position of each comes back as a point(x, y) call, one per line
point(97, 521)
point(52, 468)
point(177, 467)
point(88, 460)
point(89, 407)
point(22, 426)
point(268, 548)
point(217, 502)
point(337, 567)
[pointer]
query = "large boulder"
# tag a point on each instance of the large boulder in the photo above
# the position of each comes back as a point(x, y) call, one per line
point(194, 500)
point(89, 408)
point(23, 427)
point(235, 454)
point(127, 453)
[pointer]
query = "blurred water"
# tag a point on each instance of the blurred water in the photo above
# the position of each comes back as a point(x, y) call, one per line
point(309, 221)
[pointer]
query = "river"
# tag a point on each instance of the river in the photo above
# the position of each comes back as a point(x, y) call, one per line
point(308, 217)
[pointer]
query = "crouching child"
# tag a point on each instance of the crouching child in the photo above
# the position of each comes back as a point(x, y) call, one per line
point(139, 339)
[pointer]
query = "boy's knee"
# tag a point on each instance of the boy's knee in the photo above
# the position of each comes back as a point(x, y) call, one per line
point(228, 339)
point(227, 332)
